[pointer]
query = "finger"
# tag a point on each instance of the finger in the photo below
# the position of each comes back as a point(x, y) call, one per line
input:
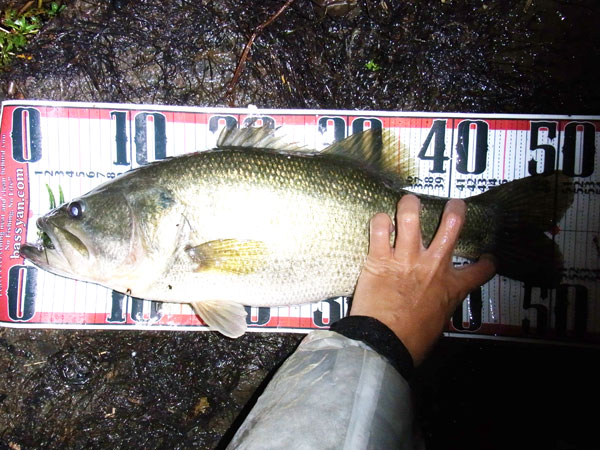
point(408, 226)
point(447, 234)
point(379, 236)
point(478, 273)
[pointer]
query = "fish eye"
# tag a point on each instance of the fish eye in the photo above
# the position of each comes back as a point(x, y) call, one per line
point(75, 210)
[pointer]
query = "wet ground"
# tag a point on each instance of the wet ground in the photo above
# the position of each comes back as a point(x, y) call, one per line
point(145, 390)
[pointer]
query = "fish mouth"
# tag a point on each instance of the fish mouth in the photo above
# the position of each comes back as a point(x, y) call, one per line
point(55, 249)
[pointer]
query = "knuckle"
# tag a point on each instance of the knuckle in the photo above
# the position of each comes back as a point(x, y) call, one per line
point(454, 218)
point(379, 234)
point(409, 218)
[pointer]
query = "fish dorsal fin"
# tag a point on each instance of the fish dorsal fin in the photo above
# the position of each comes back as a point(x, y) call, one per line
point(228, 318)
point(256, 137)
point(378, 150)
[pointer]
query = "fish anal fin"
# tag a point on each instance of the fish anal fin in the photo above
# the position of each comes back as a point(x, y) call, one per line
point(241, 257)
point(228, 318)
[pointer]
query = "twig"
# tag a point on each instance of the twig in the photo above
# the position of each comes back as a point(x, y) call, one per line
point(242, 62)
point(37, 363)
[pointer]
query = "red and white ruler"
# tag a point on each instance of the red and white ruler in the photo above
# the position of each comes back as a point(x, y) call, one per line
point(79, 145)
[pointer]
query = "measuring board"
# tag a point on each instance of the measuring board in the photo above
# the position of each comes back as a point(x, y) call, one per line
point(77, 146)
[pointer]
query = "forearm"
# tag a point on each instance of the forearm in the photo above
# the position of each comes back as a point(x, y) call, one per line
point(333, 392)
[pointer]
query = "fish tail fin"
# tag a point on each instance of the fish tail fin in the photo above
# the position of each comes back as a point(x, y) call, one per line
point(528, 211)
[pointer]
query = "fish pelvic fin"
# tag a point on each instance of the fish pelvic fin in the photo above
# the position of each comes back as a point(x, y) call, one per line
point(378, 150)
point(528, 210)
point(239, 257)
point(228, 318)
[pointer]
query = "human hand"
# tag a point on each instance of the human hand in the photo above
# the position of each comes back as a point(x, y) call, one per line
point(412, 289)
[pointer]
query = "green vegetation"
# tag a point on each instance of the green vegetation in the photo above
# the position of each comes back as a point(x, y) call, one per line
point(372, 66)
point(61, 196)
point(18, 26)
point(44, 238)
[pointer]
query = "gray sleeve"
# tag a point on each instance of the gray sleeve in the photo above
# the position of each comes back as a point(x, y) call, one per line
point(332, 393)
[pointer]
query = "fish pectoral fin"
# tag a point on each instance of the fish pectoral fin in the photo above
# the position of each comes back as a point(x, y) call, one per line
point(229, 256)
point(228, 318)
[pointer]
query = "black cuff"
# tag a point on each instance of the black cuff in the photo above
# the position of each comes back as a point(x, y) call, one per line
point(380, 338)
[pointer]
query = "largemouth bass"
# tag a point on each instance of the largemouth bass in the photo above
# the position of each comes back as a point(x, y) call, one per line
point(260, 223)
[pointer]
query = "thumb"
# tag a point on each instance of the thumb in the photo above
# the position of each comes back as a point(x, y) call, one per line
point(478, 273)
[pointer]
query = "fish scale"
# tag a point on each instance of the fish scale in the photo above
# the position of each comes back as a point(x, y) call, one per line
point(319, 233)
